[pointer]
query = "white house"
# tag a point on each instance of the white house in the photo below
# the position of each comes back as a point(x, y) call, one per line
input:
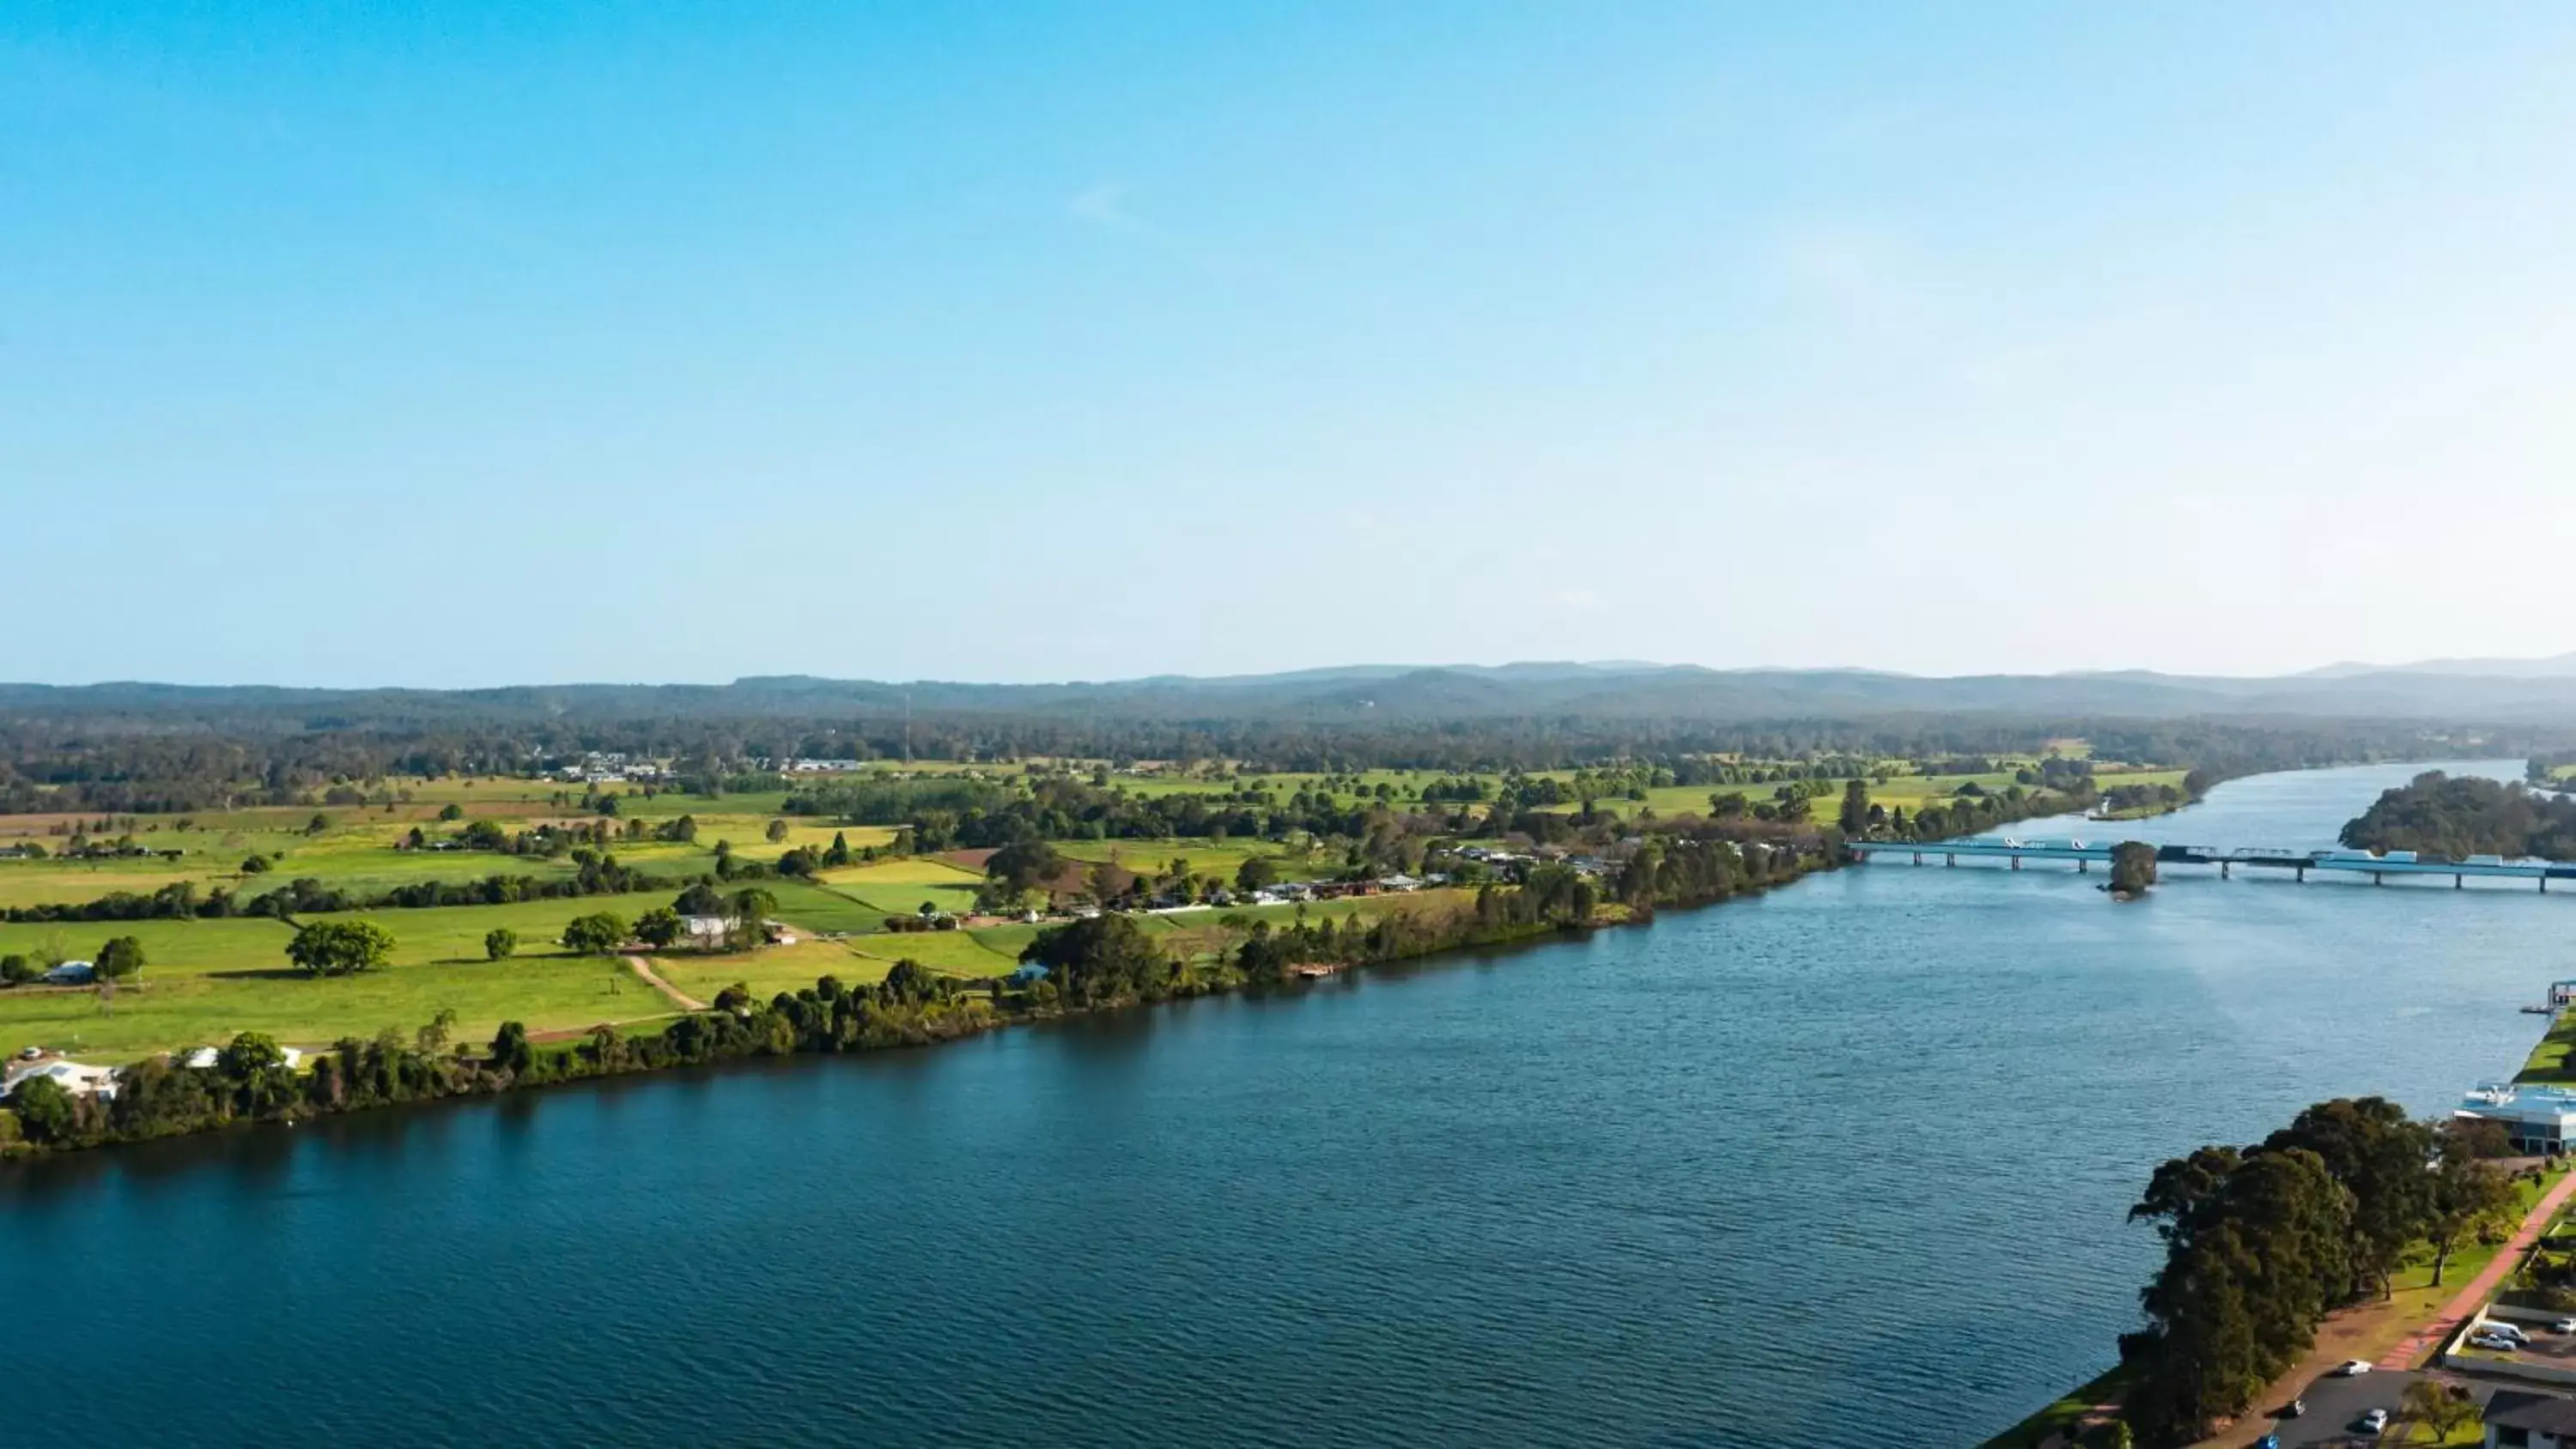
point(702, 929)
point(73, 1077)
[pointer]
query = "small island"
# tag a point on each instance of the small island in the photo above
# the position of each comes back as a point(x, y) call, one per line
point(2133, 870)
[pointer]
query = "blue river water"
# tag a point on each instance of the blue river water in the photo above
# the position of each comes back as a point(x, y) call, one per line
point(1848, 1159)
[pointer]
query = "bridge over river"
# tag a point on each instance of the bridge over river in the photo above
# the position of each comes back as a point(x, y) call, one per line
point(2297, 862)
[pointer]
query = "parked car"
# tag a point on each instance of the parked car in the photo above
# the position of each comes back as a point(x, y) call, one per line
point(2351, 1368)
point(2374, 1421)
point(2564, 1325)
point(2297, 1407)
point(2495, 1342)
point(2498, 1329)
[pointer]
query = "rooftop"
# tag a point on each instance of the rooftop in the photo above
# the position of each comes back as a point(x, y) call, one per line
point(2547, 1413)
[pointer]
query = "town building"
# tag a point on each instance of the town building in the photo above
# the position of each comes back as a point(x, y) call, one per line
point(2539, 1120)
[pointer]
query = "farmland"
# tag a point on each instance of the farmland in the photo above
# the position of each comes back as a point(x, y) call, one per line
point(208, 978)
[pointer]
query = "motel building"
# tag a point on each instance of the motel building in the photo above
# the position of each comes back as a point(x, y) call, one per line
point(2540, 1120)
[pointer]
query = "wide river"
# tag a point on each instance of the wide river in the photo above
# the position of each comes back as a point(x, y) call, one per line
point(1853, 1155)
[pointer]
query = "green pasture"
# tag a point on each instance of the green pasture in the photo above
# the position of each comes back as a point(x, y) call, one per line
point(202, 990)
point(816, 908)
point(958, 953)
point(170, 948)
point(768, 971)
point(1206, 857)
point(455, 933)
point(899, 887)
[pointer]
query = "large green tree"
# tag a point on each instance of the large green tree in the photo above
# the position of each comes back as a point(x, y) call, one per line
point(338, 948)
point(1100, 959)
point(121, 958)
point(1024, 866)
point(1854, 818)
point(596, 934)
point(2379, 1155)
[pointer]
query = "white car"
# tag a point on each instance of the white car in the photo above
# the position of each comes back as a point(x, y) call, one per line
point(2506, 1331)
point(2351, 1368)
point(2564, 1325)
point(2374, 1421)
point(2496, 1342)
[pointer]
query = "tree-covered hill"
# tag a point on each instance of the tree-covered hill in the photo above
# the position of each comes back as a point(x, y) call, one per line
point(2436, 814)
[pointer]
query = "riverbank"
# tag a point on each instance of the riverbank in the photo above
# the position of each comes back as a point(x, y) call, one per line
point(2394, 1332)
point(260, 1083)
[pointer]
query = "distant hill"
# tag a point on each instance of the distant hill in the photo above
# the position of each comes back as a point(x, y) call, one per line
point(2542, 690)
point(2556, 666)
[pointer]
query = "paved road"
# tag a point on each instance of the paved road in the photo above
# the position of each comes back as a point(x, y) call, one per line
point(2334, 1404)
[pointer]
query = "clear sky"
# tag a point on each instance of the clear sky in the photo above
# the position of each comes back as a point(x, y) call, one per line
point(517, 342)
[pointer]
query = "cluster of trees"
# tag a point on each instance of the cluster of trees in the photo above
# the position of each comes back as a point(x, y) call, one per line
point(2260, 1242)
point(2437, 815)
point(2133, 868)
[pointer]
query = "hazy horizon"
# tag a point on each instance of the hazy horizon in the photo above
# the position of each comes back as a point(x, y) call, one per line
point(1346, 665)
point(506, 343)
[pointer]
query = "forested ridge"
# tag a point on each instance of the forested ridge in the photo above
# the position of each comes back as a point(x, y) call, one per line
point(160, 764)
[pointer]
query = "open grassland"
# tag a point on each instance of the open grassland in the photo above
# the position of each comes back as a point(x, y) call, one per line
point(902, 887)
point(455, 933)
point(185, 948)
point(1206, 857)
point(2549, 1064)
point(958, 953)
point(169, 1011)
point(818, 908)
point(770, 971)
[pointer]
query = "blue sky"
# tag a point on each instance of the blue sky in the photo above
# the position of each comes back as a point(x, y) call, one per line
point(476, 344)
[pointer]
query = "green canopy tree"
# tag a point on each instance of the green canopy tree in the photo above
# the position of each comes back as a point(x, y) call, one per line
point(120, 959)
point(1854, 816)
point(339, 948)
point(1099, 960)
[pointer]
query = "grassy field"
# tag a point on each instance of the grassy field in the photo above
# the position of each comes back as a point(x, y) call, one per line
point(1206, 857)
point(190, 948)
point(901, 887)
point(170, 1010)
point(768, 972)
point(2548, 1063)
point(455, 933)
point(819, 908)
point(958, 953)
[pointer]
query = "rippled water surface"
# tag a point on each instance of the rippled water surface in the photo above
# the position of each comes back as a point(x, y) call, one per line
point(1855, 1152)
